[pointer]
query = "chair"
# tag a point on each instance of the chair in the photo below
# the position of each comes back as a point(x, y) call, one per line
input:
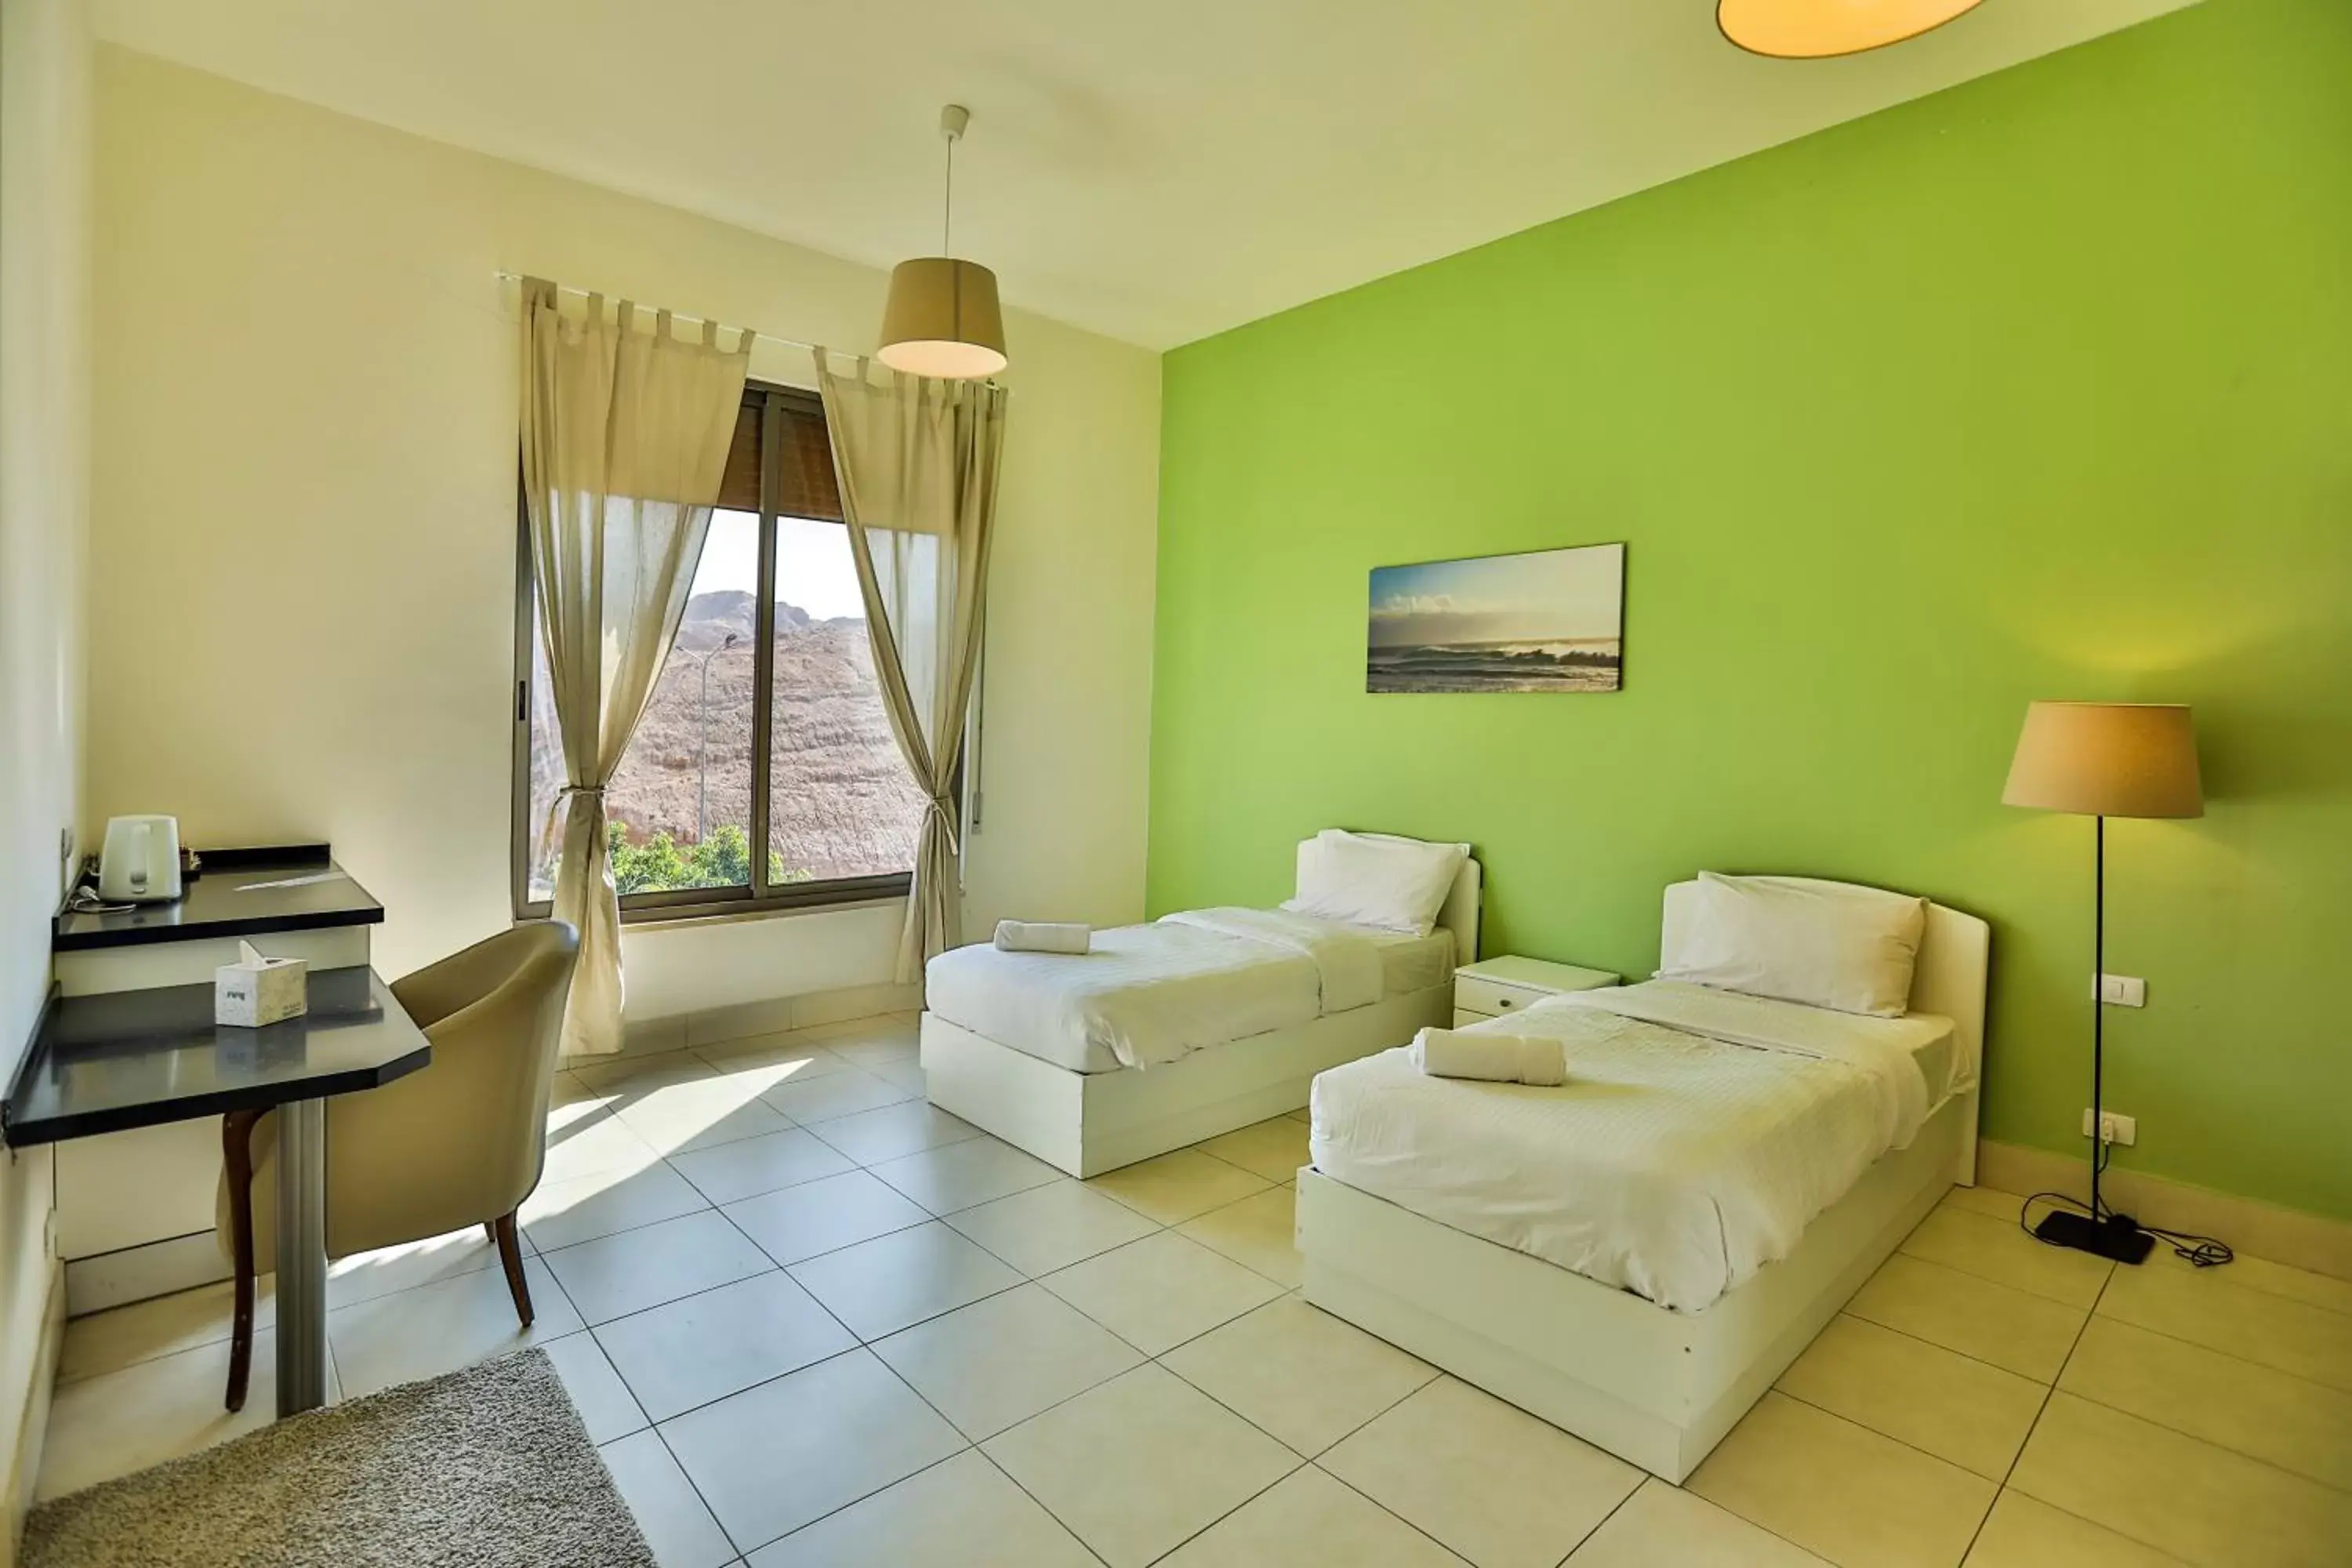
point(459, 1143)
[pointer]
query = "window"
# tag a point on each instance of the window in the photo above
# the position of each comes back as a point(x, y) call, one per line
point(764, 774)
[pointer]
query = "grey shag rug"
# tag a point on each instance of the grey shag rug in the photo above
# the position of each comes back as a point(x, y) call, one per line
point(488, 1468)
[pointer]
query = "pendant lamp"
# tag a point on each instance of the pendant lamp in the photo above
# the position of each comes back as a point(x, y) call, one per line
point(942, 319)
point(1816, 29)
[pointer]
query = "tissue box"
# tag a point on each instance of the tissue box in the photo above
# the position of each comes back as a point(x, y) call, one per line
point(254, 990)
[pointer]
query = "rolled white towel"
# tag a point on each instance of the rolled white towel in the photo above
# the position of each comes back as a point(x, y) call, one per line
point(1041, 936)
point(1497, 1059)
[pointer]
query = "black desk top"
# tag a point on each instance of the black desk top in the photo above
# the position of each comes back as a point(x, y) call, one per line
point(242, 892)
point(139, 1058)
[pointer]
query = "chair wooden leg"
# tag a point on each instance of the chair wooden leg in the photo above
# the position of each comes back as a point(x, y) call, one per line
point(237, 1157)
point(510, 1254)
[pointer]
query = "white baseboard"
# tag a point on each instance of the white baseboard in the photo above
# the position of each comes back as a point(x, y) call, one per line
point(141, 1273)
point(32, 1421)
point(769, 1015)
point(2258, 1229)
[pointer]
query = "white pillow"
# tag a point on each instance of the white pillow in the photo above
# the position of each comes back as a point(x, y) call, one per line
point(1826, 944)
point(1374, 879)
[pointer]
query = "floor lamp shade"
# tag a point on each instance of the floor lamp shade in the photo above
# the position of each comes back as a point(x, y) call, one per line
point(2106, 759)
point(943, 320)
point(1816, 29)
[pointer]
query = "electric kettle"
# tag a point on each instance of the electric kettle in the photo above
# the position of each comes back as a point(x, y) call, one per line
point(141, 862)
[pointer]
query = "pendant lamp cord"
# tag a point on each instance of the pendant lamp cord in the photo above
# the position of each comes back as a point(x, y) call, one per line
point(947, 206)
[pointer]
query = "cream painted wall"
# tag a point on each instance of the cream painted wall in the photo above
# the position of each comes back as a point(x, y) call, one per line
point(44, 177)
point(303, 544)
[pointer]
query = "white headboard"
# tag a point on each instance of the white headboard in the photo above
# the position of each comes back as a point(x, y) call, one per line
point(1955, 955)
point(1460, 913)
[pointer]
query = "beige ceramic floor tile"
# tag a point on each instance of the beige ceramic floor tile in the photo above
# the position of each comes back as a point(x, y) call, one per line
point(2025, 1533)
point(631, 1071)
point(961, 1513)
point(1996, 1249)
point(733, 1172)
point(963, 1175)
point(775, 1458)
point(1986, 1201)
point(1051, 1227)
point(594, 1142)
point(772, 1060)
point(117, 1422)
point(1259, 1233)
point(2205, 1308)
point(1842, 1490)
point(894, 1282)
point(2296, 1425)
point(440, 1328)
point(706, 1347)
point(871, 1137)
point(675, 1525)
point(843, 1093)
point(1974, 1415)
point(606, 1406)
point(1297, 1373)
point(1306, 1519)
point(825, 1215)
point(1274, 1149)
point(1174, 1187)
point(2175, 1492)
point(699, 1114)
point(2271, 1278)
point(563, 1212)
point(1492, 1482)
point(2027, 1334)
point(999, 1361)
point(146, 1330)
point(1140, 1464)
point(1662, 1526)
point(1160, 1292)
point(613, 1276)
point(364, 1276)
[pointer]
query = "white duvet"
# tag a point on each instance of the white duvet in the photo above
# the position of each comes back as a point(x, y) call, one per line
point(1153, 994)
point(1698, 1133)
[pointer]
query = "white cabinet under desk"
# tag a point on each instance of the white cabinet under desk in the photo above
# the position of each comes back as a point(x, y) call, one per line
point(1494, 986)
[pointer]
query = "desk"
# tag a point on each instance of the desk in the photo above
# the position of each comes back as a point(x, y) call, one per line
point(122, 1060)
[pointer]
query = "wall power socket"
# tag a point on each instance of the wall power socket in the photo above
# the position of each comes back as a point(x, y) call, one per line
point(2114, 1127)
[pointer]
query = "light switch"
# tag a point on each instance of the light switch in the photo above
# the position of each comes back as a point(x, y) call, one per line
point(2123, 990)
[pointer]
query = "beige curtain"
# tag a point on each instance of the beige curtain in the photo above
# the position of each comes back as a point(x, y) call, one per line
point(624, 436)
point(917, 461)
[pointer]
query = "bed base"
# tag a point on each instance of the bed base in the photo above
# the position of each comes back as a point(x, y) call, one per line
point(1655, 1387)
point(1087, 1123)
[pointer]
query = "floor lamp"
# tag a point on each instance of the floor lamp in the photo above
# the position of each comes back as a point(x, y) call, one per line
point(2100, 760)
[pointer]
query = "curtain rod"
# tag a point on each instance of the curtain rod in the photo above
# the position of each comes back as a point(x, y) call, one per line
point(504, 276)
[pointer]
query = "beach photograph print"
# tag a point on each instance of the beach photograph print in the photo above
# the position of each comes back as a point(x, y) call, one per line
point(1553, 620)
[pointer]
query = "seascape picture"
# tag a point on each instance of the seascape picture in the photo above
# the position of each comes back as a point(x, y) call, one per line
point(1552, 620)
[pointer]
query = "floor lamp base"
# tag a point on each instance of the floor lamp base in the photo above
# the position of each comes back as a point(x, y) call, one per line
point(2116, 1236)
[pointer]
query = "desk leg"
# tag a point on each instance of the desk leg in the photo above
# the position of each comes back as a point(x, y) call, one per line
point(302, 1257)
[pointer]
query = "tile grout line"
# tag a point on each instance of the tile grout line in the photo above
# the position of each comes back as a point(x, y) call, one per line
point(2039, 1410)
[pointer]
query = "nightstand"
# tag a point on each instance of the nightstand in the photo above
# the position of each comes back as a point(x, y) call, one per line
point(1494, 986)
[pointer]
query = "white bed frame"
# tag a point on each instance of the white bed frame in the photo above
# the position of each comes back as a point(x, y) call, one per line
point(1087, 1123)
point(1654, 1386)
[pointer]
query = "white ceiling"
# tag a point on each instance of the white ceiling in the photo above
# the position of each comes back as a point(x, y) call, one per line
point(1157, 172)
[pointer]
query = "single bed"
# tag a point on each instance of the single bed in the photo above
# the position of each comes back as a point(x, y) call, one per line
point(1175, 1031)
point(1635, 1259)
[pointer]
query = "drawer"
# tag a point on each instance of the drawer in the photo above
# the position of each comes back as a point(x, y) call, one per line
point(1474, 993)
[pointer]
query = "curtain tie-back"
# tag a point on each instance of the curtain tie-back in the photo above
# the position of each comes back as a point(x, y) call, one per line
point(944, 809)
point(598, 790)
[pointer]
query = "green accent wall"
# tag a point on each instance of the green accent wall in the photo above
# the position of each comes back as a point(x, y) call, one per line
point(2038, 387)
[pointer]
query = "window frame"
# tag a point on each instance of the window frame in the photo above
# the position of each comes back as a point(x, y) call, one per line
point(697, 903)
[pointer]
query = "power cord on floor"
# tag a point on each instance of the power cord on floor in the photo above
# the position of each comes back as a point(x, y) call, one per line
point(2201, 1251)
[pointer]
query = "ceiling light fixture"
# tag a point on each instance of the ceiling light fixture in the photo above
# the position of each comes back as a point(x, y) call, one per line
point(1817, 29)
point(942, 319)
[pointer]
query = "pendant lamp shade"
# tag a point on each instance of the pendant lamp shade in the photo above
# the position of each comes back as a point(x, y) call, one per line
point(942, 320)
point(1816, 29)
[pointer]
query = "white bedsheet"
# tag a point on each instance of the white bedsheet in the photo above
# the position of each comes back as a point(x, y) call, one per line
point(1697, 1135)
point(1153, 994)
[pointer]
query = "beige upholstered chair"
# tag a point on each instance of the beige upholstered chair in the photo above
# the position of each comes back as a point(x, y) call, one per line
point(459, 1143)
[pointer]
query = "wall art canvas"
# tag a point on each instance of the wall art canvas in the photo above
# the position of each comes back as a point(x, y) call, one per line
point(1552, 620)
